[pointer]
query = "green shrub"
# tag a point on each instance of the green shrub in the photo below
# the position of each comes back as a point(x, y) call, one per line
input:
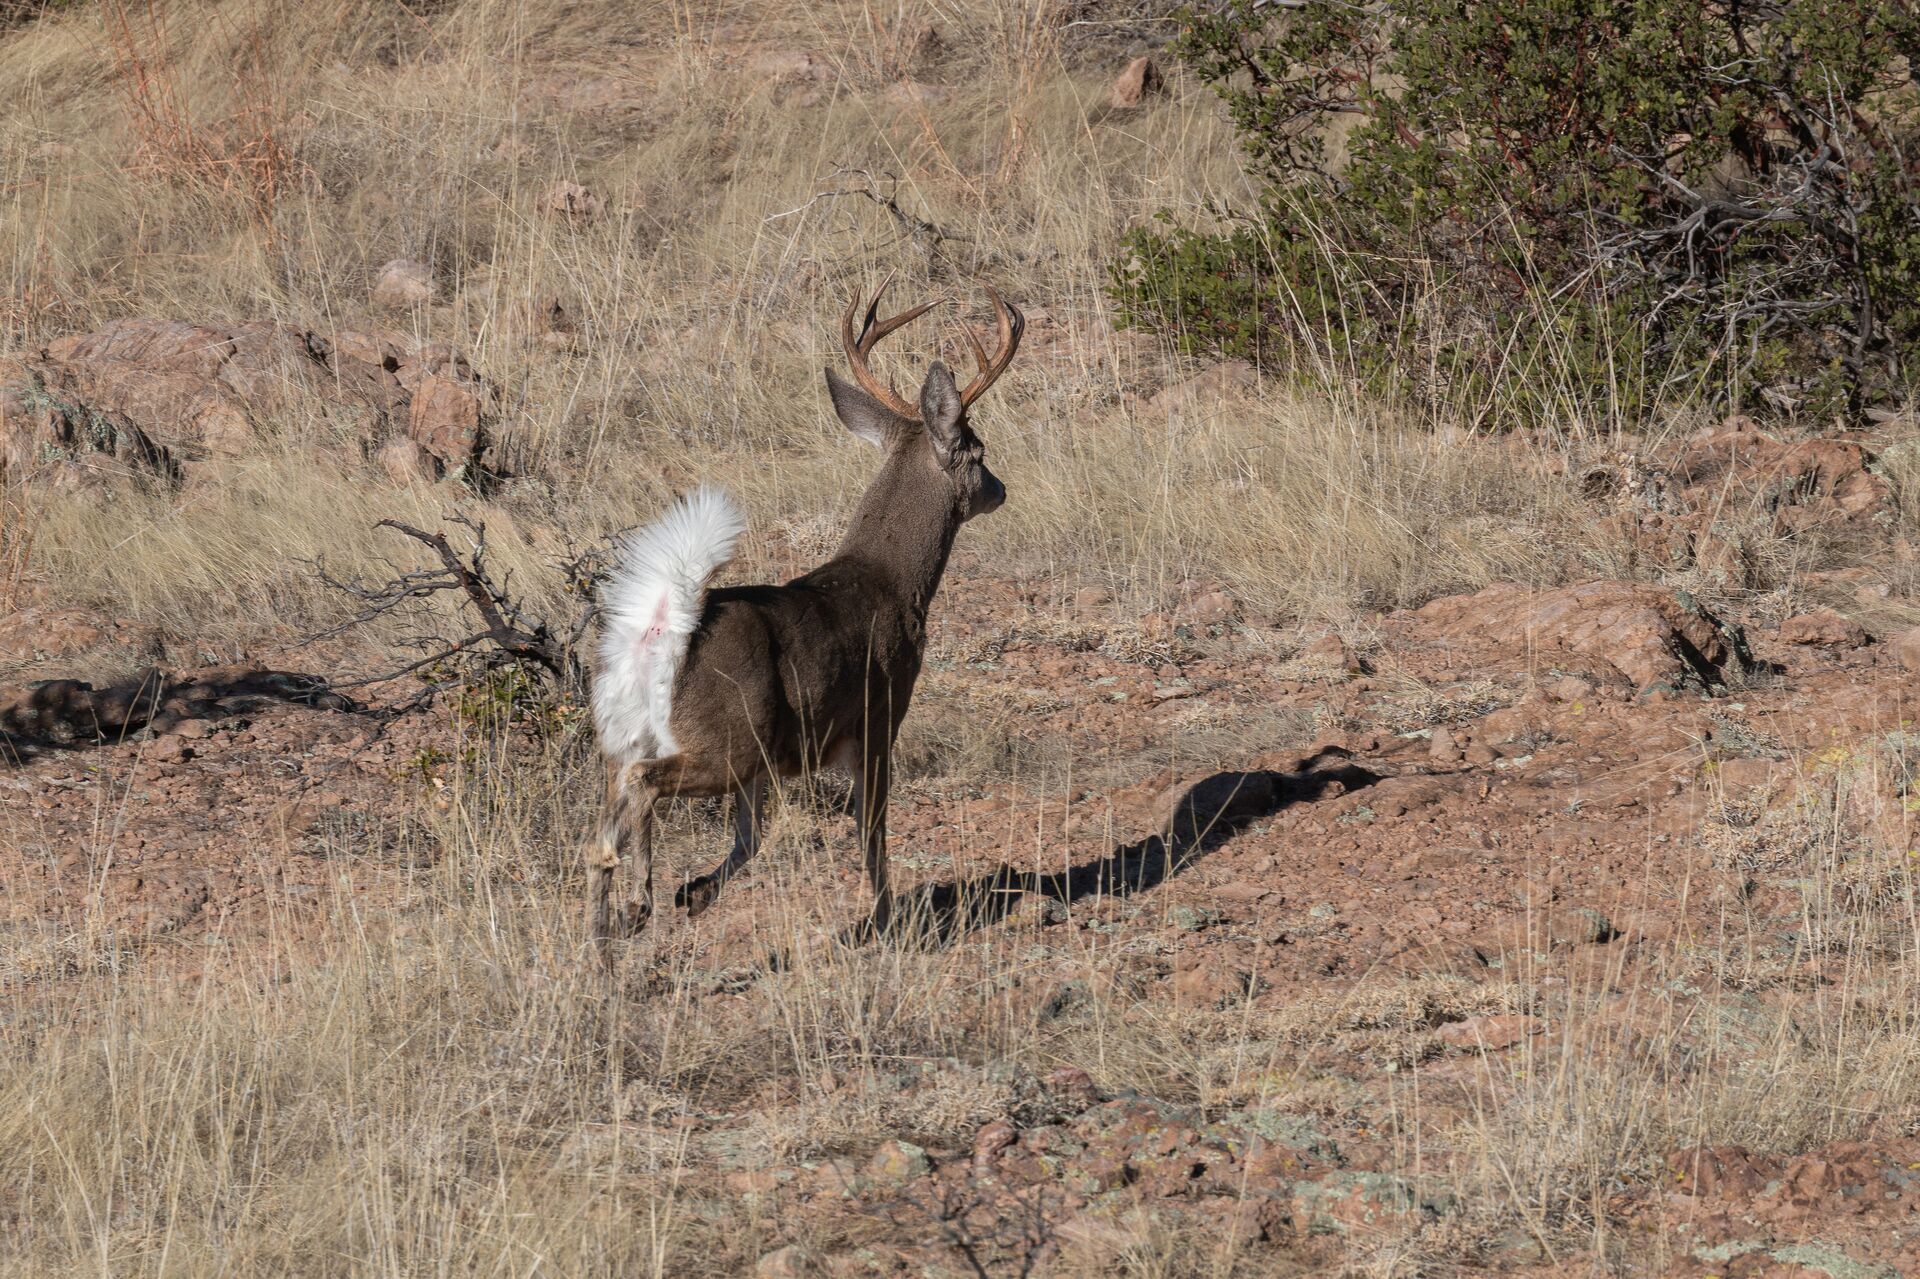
point(1559, 203)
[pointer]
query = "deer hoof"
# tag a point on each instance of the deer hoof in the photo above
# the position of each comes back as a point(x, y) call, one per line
point(696, 895)
point(633, 920)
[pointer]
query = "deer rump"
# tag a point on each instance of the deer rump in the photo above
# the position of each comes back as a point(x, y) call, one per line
point(650, 610)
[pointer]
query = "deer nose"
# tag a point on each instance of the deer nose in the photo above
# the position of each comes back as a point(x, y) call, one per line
point(992, 494)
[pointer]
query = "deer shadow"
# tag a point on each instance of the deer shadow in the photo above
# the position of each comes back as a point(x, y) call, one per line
point(1206, 815)
point(70, 714)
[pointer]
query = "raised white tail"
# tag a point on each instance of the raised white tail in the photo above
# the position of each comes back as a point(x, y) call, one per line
point(649, 612)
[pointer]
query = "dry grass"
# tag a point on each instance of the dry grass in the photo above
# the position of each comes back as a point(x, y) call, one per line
point(439, 1087)
point(704, 296)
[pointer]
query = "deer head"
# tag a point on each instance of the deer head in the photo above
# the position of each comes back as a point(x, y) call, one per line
point(933, 434)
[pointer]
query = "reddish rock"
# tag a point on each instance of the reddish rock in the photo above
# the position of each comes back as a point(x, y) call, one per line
point(34, 633)
point(990, 1141)
point(1907, 649)
point(571, 201)
point(1140, 80)
point(1642, 631)
point(1578, 926)
point(405, 462)
point(1490, 1032)
point(403, 284)
point(1824, 628)
point(1720, 1170)
point(146, 398)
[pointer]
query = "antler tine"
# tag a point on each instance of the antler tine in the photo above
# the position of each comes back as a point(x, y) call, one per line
point(1011, 325)
point(872, 329)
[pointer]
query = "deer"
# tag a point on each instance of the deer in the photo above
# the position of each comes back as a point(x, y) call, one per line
point(718, 692)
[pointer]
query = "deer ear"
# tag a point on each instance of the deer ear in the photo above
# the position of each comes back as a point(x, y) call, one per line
point(865, 416)
point(940, 409)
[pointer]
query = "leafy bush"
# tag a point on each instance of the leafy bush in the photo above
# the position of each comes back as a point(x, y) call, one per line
point(1541, 203)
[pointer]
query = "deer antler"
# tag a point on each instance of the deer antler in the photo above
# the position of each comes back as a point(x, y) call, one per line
point(871, 331)
point(1012, 325)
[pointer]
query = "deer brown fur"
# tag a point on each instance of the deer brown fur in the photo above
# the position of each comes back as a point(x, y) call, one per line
point(777, 681)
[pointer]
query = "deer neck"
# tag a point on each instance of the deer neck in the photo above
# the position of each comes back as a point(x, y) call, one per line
point(903, 531)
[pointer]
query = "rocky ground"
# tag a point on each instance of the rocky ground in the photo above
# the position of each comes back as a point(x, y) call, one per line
point(1436, 861)
point(1564, 925)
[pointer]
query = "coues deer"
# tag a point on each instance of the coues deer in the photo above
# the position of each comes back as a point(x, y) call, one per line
point(716, 692)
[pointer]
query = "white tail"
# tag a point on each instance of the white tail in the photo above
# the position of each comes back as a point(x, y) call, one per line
point(650, 610)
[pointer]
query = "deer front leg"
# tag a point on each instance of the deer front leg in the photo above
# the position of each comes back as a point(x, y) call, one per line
point(749, 809)
point(870, 817)
point(628, 815)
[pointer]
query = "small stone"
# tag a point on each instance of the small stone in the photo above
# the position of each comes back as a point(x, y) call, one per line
point(405, 462)
point(1210, 606)
point(1907, 649)
point(192, 729)
point(403, 283)
point(169, 750)
point(571, 201)
point(757, 1181)
point(1481, 753)
point(898, 1162)
point(1072, 1088)
point(1578, 926)
point(1569, 688)
point(1824, 628)
point(1192, 919)
point(790, 1262)
point(1331, 650)
point(990, 1141)
point(1090, 599)
point(1490, 1032)
point(1442, 748)
point(1134, 85)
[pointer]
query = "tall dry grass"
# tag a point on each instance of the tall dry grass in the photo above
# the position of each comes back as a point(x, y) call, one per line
point(438, 1086)
point(444, 1085)
point(702, 302)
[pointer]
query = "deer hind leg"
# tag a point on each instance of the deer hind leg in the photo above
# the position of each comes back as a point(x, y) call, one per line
point(628, 818)
point(874, 780)
point(749, 812)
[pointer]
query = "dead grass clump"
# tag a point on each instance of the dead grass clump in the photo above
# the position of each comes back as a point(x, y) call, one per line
point(245, 156)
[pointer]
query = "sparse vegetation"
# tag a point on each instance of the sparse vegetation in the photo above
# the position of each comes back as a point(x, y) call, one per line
point(310, 994)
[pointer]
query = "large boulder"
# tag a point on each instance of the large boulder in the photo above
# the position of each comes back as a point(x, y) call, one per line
point(154, 397)
point(1653, 636)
